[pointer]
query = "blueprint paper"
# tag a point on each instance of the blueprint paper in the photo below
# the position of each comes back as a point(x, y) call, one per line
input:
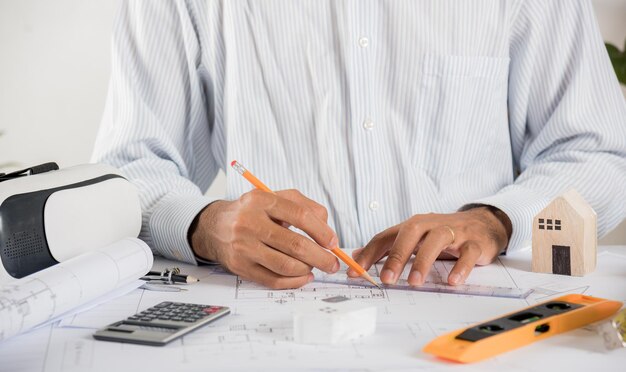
point(607, 281)
point(258, 335)
point(65, 319)
point(44, 295)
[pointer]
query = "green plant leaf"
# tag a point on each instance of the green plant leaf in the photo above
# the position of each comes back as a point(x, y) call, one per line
point(612, 49)
point(618, 59)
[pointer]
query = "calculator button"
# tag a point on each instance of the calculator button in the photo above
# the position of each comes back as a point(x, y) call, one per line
point(163, 304)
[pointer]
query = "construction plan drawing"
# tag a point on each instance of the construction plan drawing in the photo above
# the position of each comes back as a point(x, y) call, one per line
point(258, 334)
point(44, 295)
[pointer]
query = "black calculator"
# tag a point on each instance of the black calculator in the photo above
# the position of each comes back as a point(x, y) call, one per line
point(161, 323)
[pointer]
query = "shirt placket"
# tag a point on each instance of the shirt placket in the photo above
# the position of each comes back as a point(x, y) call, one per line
point(362, 44)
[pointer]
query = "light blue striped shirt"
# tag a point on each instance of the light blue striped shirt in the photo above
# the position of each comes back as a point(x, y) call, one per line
point(378, 110)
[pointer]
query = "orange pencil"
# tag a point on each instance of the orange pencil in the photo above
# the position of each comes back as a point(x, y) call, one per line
point(336, 251)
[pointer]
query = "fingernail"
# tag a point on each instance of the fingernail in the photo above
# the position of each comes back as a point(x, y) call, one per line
point(351, 273)
point(415, 278)
point(454, 278)
point(310, 278)
point(336, 267)
point(388, 276)
point(333, 242)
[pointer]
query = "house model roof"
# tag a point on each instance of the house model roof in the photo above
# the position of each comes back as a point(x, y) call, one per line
point(576, 201)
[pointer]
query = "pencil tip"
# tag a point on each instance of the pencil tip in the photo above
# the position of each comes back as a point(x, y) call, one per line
point(371, 280)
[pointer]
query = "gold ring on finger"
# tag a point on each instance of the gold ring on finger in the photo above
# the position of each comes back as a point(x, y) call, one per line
point(452, 233)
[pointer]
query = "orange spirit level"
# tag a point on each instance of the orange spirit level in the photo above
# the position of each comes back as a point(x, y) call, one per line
point(521, 328)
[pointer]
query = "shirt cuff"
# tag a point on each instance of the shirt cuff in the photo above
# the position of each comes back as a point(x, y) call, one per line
point(169, 225)
point(521, 205)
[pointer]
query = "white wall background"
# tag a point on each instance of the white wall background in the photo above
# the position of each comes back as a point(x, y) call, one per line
point(54, 68)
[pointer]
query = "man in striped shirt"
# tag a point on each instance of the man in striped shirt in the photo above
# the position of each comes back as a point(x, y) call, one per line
point(413, 127)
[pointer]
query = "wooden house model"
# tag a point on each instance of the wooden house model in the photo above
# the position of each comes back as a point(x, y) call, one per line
point(564, 237)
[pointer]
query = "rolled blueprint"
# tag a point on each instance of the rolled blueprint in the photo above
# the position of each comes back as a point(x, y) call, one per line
point(44, 295)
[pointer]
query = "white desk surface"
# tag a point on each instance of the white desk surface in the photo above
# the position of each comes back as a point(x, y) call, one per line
point(258, 333)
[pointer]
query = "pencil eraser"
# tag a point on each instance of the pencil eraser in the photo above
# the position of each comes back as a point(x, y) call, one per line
point(333, 320)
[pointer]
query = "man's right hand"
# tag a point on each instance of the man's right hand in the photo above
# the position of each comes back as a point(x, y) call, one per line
point(251, 237)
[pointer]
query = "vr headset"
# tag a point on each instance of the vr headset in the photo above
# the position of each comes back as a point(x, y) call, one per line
point(49, 215)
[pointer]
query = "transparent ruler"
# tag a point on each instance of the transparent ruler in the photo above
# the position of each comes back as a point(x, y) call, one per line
point(402, 284)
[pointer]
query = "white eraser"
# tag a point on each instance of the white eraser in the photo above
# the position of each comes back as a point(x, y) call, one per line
point(333, 320)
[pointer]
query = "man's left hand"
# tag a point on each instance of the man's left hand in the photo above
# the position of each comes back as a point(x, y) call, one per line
point(474, 237)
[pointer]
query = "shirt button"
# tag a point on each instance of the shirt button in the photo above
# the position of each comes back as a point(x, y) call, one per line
point(364, 42)
point(368, 124)
point(374, 205)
